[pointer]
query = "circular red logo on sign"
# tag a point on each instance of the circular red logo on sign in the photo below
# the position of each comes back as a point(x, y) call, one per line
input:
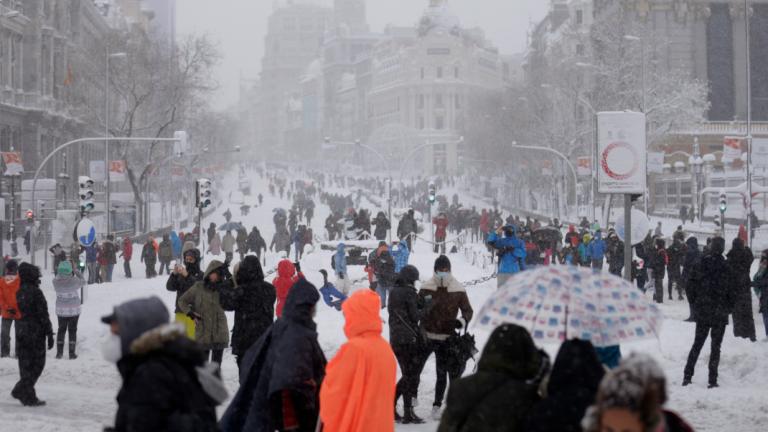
point(615, 174)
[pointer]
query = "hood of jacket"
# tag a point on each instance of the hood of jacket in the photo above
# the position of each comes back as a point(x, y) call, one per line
point(29, 274)
point(286, 269)
point(361, 314)
point(136, 317)
point(571, 228)
point(510, 350)
point(249, 270)
point(718, 246)
point(449, 282)
point(692, 243)
point(576, 367)
point(341, 248)
point(212, 267)
point(302, 297)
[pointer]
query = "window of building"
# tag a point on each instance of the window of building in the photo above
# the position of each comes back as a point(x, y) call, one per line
point(458, 101)
point(579, 16)
point(456, 72)
point(439, 101)
point(422, 73)
point(439, 72)
point(420, 101)
point(420, 122)
point(439, 122)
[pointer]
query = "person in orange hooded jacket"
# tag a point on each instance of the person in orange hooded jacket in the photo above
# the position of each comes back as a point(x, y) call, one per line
point(287, 275)
point(9, 285)
point(358, 392)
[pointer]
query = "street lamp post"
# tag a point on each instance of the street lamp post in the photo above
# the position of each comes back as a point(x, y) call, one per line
point(106, 128)
point(12, 225)
point(749, 121)
point(644, 93)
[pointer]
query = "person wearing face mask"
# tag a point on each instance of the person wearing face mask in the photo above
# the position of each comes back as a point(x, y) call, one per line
point(202, 304)
point(181, 280)
point(511, 253)
point(282, 372)
point(631, 398)
point(33, 330)
point(444, 297)
point(167, 384)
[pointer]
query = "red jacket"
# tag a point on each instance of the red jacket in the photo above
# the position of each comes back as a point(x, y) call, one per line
point(127, 249)
point(441, 226)
point(9, 286)
point(484, 221)
point(286, 277)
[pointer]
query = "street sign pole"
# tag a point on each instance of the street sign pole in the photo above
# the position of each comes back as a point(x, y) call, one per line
point(628, 237)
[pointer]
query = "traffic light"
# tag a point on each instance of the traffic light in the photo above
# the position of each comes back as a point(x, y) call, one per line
point(203, 193)
point(432, 193)
point(723, 203)
point(30, 216)
point(717, 220)
point(86, 194)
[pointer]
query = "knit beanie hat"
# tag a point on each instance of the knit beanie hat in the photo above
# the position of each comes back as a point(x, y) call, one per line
point(442, 263)
point(65, 268)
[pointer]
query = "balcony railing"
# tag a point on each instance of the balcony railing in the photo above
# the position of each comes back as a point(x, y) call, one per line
point(723, 128)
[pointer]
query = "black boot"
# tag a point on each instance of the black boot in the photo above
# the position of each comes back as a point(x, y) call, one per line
point(398, 418)
point(59, 349)
point(72, 345)
point(409, 417)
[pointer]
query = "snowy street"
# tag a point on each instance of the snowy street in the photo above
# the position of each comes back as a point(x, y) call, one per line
point(81, 393)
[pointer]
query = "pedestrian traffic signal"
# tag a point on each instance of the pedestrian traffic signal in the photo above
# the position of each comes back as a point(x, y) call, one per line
point(30, 216)
point(203, 193)
point(723, 203)
point(86, 195)
point(432, 193)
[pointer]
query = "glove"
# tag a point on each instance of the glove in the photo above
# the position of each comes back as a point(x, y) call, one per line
point(341, 276)
point(298, 267)
point(50, 341)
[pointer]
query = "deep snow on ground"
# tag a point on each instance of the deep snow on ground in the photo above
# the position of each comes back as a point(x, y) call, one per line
point(81, 393)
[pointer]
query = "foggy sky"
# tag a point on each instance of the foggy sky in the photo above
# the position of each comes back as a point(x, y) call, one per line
point(239, 26)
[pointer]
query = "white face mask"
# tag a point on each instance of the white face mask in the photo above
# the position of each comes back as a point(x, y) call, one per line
point(112, 348)
point(443, 275)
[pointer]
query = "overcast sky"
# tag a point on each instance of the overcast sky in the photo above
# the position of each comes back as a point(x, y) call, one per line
point(239, 26)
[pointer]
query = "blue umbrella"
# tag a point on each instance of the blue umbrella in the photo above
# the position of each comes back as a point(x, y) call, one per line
point(231, 226)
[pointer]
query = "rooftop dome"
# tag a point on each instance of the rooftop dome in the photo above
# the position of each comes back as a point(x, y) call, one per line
point(438, 16)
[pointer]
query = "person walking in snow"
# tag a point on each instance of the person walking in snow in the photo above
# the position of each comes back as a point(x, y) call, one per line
point(149, 257)
point(214, 246)
point(67, 284)
point(658, 265)
point(182, 278)
point(9, 286)
point(166, 382)
point(165, 255)
point(287, 275)
point(365, 367)
point(597, 250)
point(126, 253)
point(739, 261)
point(228, 246)
point(406, 309)
point(202, 303)
point(255, 242)
point(676, 255)
point(282, 373)
point(340, 268)
point(34, 330)
point(242, 242)
point(444, 297)
point(253, 301)
point(382, 226)
point(400, 254)
point(760, 285)
point(407, 228)
point(712, 299)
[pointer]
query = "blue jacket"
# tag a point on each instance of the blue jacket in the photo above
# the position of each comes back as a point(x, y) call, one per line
point(512, 261)
point(332, 296)
point(597, 248)
point(400, 256)
point(91, 253)
point(341, 260)
point(176, 244)
point(584, 255)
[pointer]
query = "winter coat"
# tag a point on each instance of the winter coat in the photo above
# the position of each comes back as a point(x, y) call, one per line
point(658, 263)
point(165, 387)
point(165, 255)
point(91, 253)
point(176, 244)
point(760, 284)
point(214, 246)
point(181, 284)
point(382, 226)
point(512, 252)
point(583, 250)
point(441, 227)
point(127, 251)
point(407, 226)
point(340, 260)
point(242, 242)
point(405, 312)
point(253, 301)
point(282, 371)
point(203, 299)
point(692, 257)
point(499, 397)
point(286, 278)
point(615, 255)
point(109, 252)
point(739, 262)
point(148, 254)
point(255, 242)
point(572, 388)
point(597, 248)
point(9, 286)
point(228, 243)
point(400, 255)
point(444, 298)
point(709, 289)
point(384, 268)
point(68, 294)
point(34, 326)
point(358, 393)
point(676, 254)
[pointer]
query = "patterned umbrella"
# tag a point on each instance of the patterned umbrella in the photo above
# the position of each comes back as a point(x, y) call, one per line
point(563, 302)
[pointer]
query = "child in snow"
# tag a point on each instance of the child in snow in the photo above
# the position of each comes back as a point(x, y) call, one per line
point(331, 296)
